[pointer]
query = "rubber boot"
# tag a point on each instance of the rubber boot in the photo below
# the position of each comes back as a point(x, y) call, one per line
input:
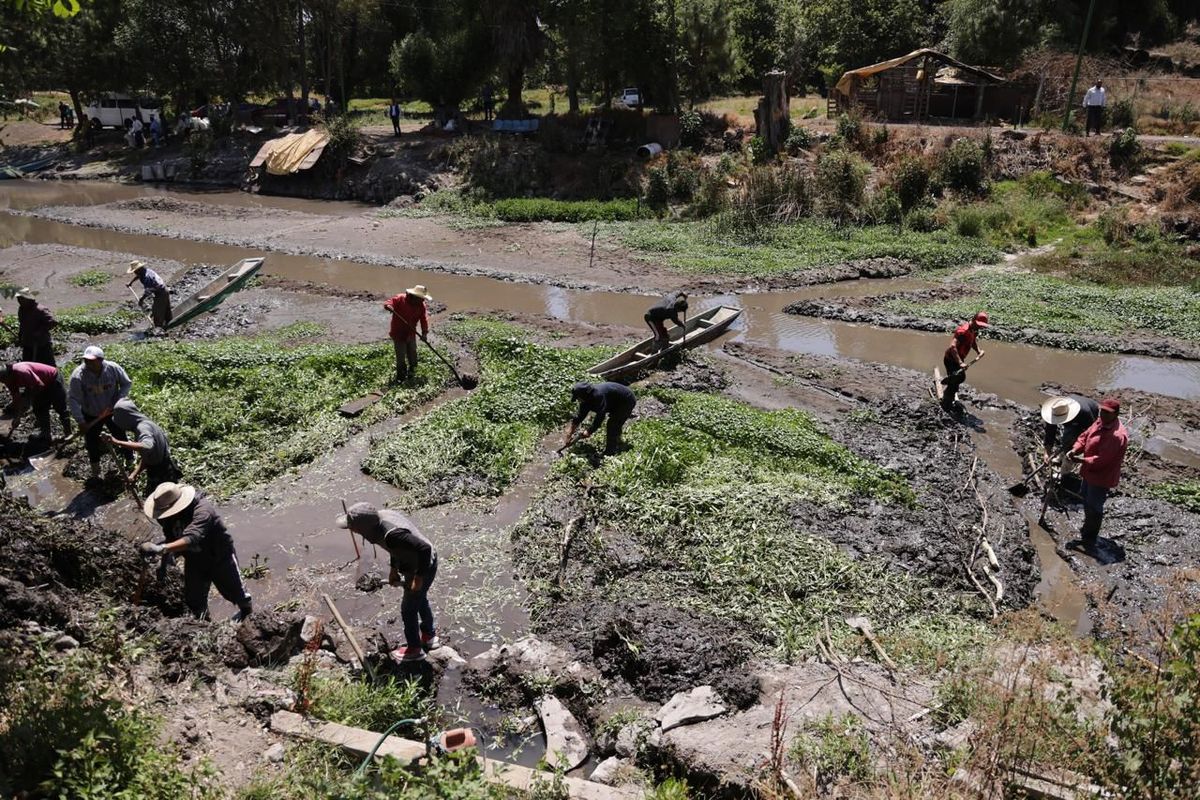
point(1089, 532)
point(94, 470)
point(65, 419)
point(243, 612)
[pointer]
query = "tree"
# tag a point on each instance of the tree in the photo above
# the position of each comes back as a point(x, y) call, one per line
point(842, 34)
point(996, 32)
point(517, 41)
point(708, 53)
point(39, 13)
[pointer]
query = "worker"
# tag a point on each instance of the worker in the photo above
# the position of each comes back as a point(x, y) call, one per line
point(34, 384)
point(34, 323)
point(149, 442)
point(413, 565)
point(1065, 418)
point(194, 530)
point(96, 386)
point(964, 339)
point(612, 400)
point(1099, 451)
point(153, 289)
point(668, 308)
point(408, 311)
point(1094, 101)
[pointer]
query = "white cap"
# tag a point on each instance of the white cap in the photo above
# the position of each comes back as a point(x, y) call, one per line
point(93, 352)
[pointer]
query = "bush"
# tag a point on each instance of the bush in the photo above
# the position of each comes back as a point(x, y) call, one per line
point(1122, 113)
point(691, 130)
point(850, 129)
point(841, 179)
point(344, 137)
point(772, 195)
point(921, 219)
point(1115, 227)
point(544, 209)
point(910, 180)
point(800, 138)
point(886, 207)
point(684, 175)
point(759, 152)
point(968, 221)
point(1124, 150)
point(658, 189)
point(711, 197)
point(961, 167)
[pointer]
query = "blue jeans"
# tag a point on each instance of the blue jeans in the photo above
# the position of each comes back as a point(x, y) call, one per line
point(415, 610)
point(1093, 497)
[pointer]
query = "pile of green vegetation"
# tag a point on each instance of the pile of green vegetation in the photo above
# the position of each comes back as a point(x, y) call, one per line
point(242, 411)
point(521, 209)
point(1182, 493)
point(1065, 306)
point(90, 278)
point(94, 319)
point(706, 492)
point(477, 444)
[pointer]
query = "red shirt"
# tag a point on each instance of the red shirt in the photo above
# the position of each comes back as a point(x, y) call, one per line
point(1103, 448)
point(31, 376)
point(412, 313)
point(964, 339)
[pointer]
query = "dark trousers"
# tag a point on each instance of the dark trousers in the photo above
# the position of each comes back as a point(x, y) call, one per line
point(396, 125)
point(165, 471)
point(613, 428)
point(160, 312)
point(415, 611)
point(226, 575)
point(659, 329)
point(406, 357)
point(39, 350)
point(1095, 119)
point(1093, 511)
point(53, 397)
point(950, 389)
point(92, 442)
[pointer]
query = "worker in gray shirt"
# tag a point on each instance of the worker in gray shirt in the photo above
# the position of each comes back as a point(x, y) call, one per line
point(95, 387)
point(413, 565)
point(149, 442)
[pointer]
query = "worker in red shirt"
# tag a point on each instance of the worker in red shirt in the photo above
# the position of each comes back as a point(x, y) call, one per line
point(964, 339)
point(408, 311)
point(1099, 451)
point(31, 383)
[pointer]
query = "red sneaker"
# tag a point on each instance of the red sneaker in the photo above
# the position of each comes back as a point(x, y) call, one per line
point(430, 641)
point(408, 654)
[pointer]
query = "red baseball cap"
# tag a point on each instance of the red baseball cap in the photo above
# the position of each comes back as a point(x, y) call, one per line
point(981, 319)
point(1111, 404)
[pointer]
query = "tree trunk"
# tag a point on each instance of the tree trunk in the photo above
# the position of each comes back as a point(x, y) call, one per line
point(772, 115)
point(303, 57)
point(513, 106)
point(572, 90)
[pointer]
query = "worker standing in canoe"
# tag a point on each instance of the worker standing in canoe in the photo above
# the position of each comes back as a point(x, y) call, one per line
point(408, 310)
point(153, 289)
point(668, 308)
point(964, 339)
point(613, 401)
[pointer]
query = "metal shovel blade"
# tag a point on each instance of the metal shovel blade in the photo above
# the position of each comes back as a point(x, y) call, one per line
point(1019, 489)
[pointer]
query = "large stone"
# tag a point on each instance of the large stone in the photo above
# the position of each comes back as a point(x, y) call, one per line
point(565, 739)
point(615, 771)
point(631, 736)
point(684, 708)
point(532, 661)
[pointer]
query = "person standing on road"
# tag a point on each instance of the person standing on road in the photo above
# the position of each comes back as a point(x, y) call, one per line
point(154, 289)
point(1065, 418)
point(31, 383)
point(34, 323)
point(612, 400)
point(668, 308)
point(413, 565)
point(96, 386)
point(1100, 451)
point(195, 531)
point(964, 339)
point(1094, 101)
point(408, 311)
point(394, 115)
point(149, 442)
point(62, 115)
point(156, 130)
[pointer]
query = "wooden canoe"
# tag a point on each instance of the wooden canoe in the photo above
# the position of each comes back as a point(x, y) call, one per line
point(703, 327)
point(215, 292)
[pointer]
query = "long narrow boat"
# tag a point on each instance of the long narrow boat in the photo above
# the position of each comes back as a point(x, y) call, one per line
point(215, 292)
point(21, 170)
point(703, 327)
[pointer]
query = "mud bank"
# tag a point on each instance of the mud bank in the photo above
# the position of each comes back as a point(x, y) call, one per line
point(869, 311)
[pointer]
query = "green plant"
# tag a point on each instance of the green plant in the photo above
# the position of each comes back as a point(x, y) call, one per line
point(1182, 493)
point(1122, 113)
point(691, 130)
point(834, 747)
point(799, 138)
point(539, 209)
point(962, 168)
point(885, 207)
point(760, 152)
point(658, 189)
point(968, 221)
point(841, 179)
point(670, 789)
point(90, 278)
point(336, 697)
point(910, 179)
point(94, 320)
point(344, 137)
point(1124, 150)
point(850, 129)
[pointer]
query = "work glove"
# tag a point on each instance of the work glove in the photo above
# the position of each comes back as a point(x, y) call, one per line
point(151, 548)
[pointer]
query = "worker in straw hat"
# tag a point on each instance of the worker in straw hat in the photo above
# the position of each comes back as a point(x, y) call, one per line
point(1064, 418)
point(34, 323)
point(194, 530)
point(1099, 451)
point(408, 311)
point(414, 565)
point(154, 290)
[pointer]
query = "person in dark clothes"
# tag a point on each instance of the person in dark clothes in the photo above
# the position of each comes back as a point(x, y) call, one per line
point(962, 342)
point(149, 442)
point(413, 566)
point(31, 383)
point(668, 308)
point(34, 323)
point(194, 530)
point(394, 115)
point(155, 290)
point(1065, 418)
point(612, 400)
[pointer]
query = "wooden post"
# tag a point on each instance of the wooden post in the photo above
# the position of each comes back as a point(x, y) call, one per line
point(772, 115)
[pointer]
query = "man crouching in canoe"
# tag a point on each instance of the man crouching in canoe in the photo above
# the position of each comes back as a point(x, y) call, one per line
point(612, 400)
point(668, 308)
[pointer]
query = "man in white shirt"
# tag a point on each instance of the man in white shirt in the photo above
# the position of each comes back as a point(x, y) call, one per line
point(1093, 104)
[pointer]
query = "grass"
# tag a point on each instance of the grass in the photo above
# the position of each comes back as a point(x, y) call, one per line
point(90, 278)
point(1062, 306)
point(336, 697)
point(703, 247)
point(476, 444)
point(743, 105)
point(240, 412)
point(1181, 493)
point(1018, 214)
point(520, 209)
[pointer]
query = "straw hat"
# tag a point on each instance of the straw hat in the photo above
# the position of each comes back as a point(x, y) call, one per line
point(168, 500)
point(134, 266)
point(419, 291)
point(1059, 410)
point(25, 294)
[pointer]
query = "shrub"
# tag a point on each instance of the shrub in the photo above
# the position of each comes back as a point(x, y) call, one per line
point(886, 207)
point(691, 130)
point(760, 153)
point(544, 209)
point(1122, 113)
point(711, 197)
point(968, 221)
point(841, 179)
point(1124, 150)
point(685, 177)
point(800, 138)
point(1115, 227)
point(961, 167)
point(658, 189)
point(344, 137)
point(772, 195)
point(850, 129)
point(921, 219)
point(910, 179)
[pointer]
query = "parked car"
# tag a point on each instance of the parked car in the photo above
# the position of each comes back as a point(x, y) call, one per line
point(112, 109)
point(631, 97)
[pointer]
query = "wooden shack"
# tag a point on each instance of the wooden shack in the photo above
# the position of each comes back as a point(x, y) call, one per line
point(926, 85)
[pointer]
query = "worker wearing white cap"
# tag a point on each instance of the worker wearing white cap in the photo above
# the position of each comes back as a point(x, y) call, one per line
point(96, 386)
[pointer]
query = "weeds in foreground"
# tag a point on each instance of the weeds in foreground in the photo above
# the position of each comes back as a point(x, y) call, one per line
point(336, 697)
point(90, 278)
point(1181, 493)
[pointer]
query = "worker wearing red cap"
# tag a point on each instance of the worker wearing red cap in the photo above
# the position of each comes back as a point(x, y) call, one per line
point(1099, 452)
point(962, 342)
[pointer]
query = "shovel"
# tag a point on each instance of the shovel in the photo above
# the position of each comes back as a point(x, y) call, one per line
point(1021, 488)
point(467, 382)
point(955, 377)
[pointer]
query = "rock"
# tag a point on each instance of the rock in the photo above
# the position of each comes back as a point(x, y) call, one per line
point(565, 740)
point(369, 582)
point(274, 754)
point(447, 656)
point(311, 629)
point(64, 643)
point(630, 737)
point(530, 661)
point(685, 708)
point(615, 771)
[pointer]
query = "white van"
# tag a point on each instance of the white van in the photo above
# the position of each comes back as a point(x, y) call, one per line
point(112, 109)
